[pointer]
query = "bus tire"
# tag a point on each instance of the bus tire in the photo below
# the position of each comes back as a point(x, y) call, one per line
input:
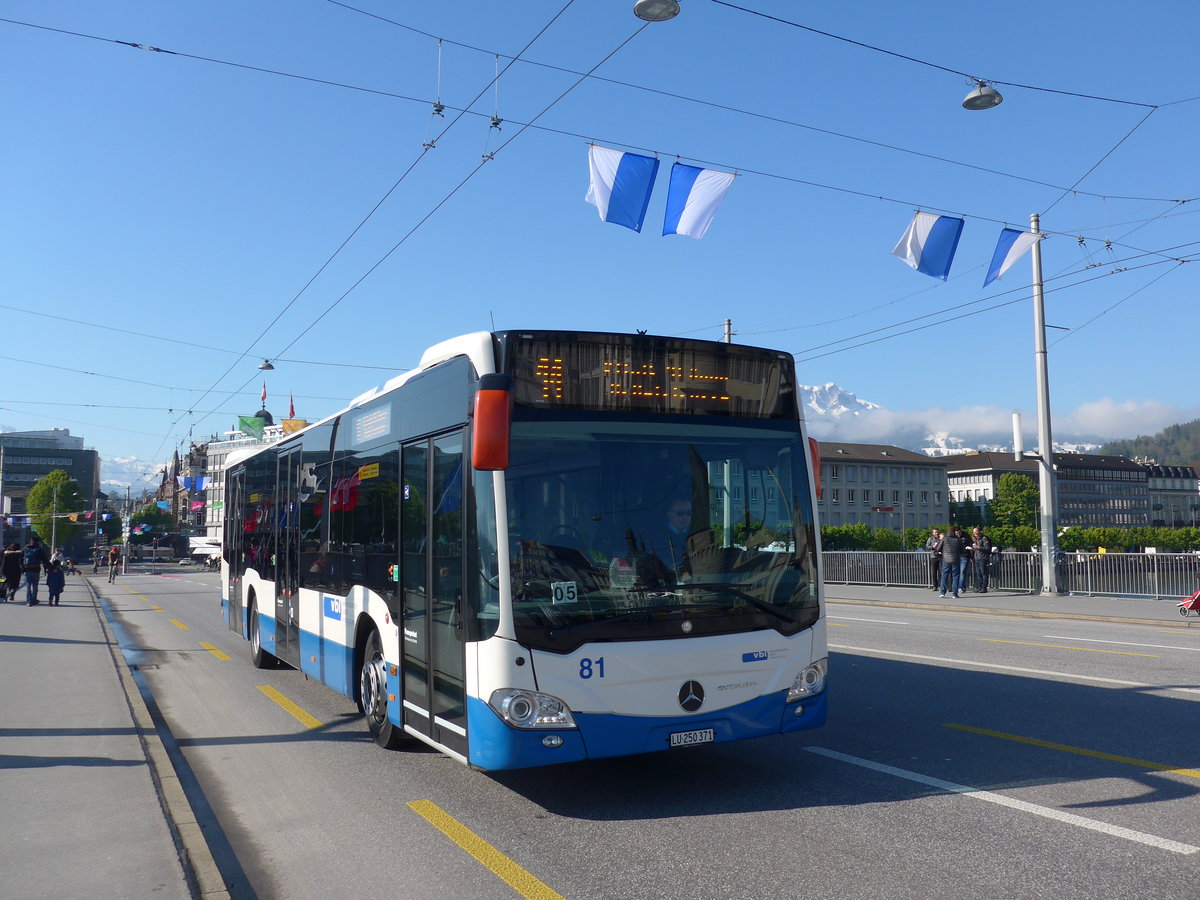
point(260, 657)
point(372, 695)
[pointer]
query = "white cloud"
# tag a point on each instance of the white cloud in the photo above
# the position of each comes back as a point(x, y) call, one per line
point(1098, 421)
point(1115, 420)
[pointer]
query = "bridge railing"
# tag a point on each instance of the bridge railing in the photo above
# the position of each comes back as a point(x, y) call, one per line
point(1157, 575)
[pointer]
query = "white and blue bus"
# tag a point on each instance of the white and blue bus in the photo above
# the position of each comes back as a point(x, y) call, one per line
point(493, 553)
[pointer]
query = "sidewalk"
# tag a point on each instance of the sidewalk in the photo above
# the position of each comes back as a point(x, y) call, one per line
point(83, 774)
point(1103, 609)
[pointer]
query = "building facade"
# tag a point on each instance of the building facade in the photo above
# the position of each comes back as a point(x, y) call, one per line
point(1174, 496)
point(28, 456)
point(1093, 491)
point(881, 486)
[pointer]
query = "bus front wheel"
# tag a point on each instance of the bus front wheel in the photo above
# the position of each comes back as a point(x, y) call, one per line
point(260, 657)
point(372, 695)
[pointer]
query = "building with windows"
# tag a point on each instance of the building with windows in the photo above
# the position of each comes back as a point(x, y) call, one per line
point(28, 456)
point(1174, 496)
point(881, 486)
point(1093, 491)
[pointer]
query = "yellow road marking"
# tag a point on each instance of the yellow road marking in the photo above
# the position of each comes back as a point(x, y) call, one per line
point(219, 654)
point(1065, 647)
point(1080, 751)
point(179, 625)
point(156, 607)
point(837, 624)
point(141, 597)
point(516, 877)
point(301, 716)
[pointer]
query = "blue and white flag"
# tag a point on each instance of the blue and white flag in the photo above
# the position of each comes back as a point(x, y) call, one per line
point(621, 185)
point(192, 482)
point(929, 243)
point(693, 198)
point(1012, 246)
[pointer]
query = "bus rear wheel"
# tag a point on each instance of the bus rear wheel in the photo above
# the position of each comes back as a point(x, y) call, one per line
point(372, 695)
point(260, 657)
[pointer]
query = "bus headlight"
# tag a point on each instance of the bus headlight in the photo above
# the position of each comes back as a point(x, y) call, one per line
point(530, 709)
point(809, 682)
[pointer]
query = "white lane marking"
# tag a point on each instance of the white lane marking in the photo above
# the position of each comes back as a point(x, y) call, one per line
point(1125, 643)
point(1046, 812)
point(973, 664)
point(879, 621)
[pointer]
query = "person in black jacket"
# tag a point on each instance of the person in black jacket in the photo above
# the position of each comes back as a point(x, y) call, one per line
point(11, 571)
point(933, 548)
point(952, 551)
point(33, 558)
point(981, 548)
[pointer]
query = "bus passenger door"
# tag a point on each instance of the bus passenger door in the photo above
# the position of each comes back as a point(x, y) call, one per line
point(232, 538)
point(287, 561)
point(433, 663)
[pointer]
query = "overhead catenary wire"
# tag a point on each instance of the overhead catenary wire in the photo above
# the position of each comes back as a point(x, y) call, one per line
point(924, 62)
point(424, 150)
point(424, 101)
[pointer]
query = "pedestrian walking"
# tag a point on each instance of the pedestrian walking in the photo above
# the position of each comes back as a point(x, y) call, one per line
point(11, 571)
point(952, 550)
point(56, 580)
point(933, 547)
point(33, 558)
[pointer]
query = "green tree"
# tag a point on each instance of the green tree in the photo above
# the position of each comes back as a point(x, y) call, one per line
point(161, 520)
point(55, 493)
point(1017, 501)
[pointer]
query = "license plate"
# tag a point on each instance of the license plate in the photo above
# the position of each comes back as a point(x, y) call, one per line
point(688, 738)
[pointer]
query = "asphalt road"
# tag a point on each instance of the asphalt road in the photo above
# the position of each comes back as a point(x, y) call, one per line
point(966, 755)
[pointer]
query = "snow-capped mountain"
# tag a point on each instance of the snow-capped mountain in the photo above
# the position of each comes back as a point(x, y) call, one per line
point(833, 401)
point(835, 414)
point(120, 472)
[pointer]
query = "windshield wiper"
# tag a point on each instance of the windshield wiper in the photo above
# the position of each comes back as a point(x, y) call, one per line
point(740, 594)
point(645, 614)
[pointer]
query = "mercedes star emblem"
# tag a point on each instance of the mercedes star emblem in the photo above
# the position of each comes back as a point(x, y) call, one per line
point(691, 696)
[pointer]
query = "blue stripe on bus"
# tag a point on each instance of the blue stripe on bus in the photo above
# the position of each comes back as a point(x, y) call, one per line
point(494, 745)
point(333, 665)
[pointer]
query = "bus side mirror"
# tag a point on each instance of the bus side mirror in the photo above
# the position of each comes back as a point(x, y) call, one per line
point(493, 412)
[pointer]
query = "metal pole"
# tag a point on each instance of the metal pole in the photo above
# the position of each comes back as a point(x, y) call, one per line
point(727, 505)
point(1046, 485)
point(54, 522)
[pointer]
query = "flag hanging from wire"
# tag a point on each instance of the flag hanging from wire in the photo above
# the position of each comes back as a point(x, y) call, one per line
point(264, 394)
point(193, 482)
point(693, 198)
point(620, 185)
point(929, 243)
point(291, 407)
point(1012, 246)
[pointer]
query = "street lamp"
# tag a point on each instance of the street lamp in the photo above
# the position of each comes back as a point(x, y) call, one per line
point(656, 10)
point(983, 97)
point(1047, 489)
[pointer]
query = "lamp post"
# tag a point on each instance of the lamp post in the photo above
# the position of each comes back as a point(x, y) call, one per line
point(1047, 489)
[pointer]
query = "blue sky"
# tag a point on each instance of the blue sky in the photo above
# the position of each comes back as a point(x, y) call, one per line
point(192, 196)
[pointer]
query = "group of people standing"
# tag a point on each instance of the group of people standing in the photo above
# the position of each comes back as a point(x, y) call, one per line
point(954, 557)
point(28, 563)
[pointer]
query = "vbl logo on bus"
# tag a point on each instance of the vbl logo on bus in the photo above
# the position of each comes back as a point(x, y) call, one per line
point(333, 608)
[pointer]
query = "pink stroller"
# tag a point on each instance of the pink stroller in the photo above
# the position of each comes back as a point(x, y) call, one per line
point(1192, 602)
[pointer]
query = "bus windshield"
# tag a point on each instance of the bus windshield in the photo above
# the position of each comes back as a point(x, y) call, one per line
point(632, 531)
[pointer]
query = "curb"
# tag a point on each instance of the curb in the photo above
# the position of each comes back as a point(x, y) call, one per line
point(1018, 613)
point(199, 867)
